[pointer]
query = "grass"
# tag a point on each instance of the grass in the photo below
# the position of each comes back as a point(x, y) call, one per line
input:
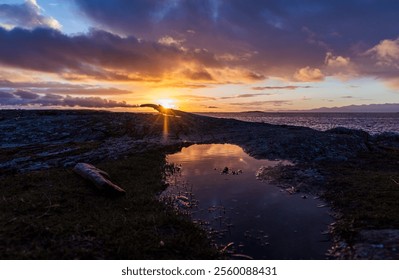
point(54, 214)
point(365, 192)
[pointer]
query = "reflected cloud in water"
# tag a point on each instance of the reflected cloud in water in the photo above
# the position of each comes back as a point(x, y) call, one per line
point(263, 221)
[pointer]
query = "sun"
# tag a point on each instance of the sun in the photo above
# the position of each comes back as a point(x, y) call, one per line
point(167, 103)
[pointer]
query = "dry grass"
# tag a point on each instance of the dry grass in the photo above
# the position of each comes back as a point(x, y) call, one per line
point(54, 214)
point(364, 192)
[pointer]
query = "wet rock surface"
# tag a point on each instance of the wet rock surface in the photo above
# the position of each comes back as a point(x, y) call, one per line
point(377, 244)
point(34, 140)
point(294, 178)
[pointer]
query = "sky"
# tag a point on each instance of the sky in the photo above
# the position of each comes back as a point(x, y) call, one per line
point(209, 55)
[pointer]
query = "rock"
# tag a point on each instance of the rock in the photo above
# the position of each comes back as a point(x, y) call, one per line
point(98, 177)
point(387, 139)
point(293, 178)
point(377, 244)
point(92, 136)
point(347, 131)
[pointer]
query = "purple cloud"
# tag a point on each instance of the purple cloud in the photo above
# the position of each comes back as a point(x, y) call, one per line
point(213, 42)
point(99, 55)
point(63, 88)
point(26, 94)
point(28, 15)
point(25, 98)
point(297, 40)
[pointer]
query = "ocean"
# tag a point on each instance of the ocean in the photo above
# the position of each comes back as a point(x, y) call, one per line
point(373, 123)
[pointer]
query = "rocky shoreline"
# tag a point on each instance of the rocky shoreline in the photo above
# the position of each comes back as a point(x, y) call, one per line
point(34, 140)
point(44, 139)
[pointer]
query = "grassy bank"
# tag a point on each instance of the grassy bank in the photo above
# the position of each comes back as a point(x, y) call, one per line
point(365, 191)
point(54, 214)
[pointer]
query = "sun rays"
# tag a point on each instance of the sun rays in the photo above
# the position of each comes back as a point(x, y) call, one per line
point(167, 103)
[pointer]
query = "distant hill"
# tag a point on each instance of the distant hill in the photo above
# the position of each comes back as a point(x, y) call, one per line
point(371, 108)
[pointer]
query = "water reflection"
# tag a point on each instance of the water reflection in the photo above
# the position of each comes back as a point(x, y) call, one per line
point(263, 221)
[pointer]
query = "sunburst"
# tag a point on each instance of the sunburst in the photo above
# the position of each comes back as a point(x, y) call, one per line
point(167, 103)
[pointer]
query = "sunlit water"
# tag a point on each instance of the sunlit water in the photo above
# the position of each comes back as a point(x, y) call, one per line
point(373, 123)
point(262, 220)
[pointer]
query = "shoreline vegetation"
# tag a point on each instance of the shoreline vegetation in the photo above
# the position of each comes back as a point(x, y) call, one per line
point(49, 212)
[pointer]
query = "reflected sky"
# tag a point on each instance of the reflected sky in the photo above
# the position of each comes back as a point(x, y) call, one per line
point(263, 221)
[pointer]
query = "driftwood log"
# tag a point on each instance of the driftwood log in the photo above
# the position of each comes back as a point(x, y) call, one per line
point(98, 177)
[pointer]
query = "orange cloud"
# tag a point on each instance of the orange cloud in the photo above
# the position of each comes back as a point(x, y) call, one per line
point(336, 61)
point(386, 52)
point(308, 74)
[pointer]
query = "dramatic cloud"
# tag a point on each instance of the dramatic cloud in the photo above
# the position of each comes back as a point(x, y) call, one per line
point(319, 22)
point(201, 75)
point(169, 41)
point(386, 53)
point(336, 61)
point(381, 61)
point(104, 56)
point(27, 15)
point(26, 98)
point(98, 55)
point(340, 67)
point(210, 42)
point(271, 38)
point(308, 74)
